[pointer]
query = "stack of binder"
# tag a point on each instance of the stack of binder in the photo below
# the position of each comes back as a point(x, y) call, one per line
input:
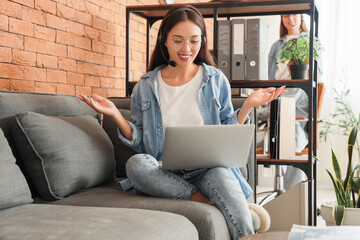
point(242, 49)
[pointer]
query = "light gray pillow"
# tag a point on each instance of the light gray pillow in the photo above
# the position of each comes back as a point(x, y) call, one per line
point(13, 187)
point(63, 155)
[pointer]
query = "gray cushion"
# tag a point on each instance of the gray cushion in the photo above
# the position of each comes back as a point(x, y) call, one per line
point(122, 152)
point(13, 187)
point(12, 103)
point(43, 222)
point(207, 219)
point(63, 154)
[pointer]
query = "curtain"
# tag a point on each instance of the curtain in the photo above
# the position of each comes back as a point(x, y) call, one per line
point(340, 37)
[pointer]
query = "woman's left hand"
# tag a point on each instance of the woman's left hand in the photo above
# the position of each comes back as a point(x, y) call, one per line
point(264, 96)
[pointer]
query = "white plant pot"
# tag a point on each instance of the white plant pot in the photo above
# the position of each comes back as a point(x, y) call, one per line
point(352, 215)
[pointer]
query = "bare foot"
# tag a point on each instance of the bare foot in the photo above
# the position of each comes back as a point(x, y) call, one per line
point(199, 197)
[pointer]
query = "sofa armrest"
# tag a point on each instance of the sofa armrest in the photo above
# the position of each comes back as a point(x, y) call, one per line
point(122, 153)
point(121, 102)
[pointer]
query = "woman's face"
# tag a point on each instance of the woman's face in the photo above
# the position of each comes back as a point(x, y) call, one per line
point(184, 42)
point(292, 22)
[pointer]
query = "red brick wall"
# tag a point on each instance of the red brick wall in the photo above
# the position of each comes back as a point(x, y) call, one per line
point(70, 46)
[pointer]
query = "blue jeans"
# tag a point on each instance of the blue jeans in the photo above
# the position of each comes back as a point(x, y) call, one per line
point(218, 184)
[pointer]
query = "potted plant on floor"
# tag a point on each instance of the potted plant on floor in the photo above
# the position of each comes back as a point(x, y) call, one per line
point(296, 52)
point(346, 210)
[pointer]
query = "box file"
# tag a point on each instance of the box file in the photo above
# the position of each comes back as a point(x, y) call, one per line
point(282, 128)
point(238, 49)
point(224, 47)
point(256, 50)
point(242, 49)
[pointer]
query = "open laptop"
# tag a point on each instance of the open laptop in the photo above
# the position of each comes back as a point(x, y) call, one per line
point(207, 146)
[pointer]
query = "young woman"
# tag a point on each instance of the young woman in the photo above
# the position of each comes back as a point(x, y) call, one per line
point(291, 26)
point(183, 88)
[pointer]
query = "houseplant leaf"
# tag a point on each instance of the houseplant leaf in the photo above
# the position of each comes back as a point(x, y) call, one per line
point(350, 147)
point(339, 197)
point(338, 215)
point(355, 186)
point(336, 165)
point(298, 50)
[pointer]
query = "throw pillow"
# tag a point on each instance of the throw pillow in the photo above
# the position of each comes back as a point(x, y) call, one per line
point(13, 187)
point(63, 155)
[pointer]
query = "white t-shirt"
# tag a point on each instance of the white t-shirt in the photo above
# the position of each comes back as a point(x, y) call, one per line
point(180, 104)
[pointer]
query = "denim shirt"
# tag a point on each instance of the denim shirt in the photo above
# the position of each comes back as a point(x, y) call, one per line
point(147, 126)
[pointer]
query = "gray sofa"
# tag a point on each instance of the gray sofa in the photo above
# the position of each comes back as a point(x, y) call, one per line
point(58, 178)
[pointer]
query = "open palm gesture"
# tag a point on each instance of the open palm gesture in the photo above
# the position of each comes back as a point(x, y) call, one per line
point(264, 96)
point(99, 104)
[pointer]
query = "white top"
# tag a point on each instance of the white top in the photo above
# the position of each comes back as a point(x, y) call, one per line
point(180, 105)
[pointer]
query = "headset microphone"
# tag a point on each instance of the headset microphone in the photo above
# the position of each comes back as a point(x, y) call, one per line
point(173, 63)
point(170, 62)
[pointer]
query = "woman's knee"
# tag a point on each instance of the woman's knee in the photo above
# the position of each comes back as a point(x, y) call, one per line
point(139, 163)
point(220, 177)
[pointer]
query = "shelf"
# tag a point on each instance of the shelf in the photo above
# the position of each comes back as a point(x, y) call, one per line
point(230, 8)
point(265, 159)
point(269, 83)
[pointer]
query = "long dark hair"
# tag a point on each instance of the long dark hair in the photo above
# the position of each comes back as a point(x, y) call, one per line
point(174, 16)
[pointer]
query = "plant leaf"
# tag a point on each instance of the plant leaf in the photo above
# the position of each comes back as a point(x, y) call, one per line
point(344, 193)
point(336, 165)
point(337, 190)
point(355, 185)
point(351, 142)
point(338, 215)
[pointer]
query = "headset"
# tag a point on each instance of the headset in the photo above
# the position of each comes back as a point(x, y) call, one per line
point(162, 39)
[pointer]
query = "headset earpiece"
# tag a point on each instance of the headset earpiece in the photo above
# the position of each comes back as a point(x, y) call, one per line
point(161, 39)
point(203, 40)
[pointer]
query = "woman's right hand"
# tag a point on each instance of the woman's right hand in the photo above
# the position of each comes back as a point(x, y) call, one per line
point(100, 104)
point(107, 107)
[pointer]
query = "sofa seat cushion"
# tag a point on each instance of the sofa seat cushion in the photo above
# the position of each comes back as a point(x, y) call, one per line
point(63, 154)
point(13, 187)
point(41, 221)
point(207, 219)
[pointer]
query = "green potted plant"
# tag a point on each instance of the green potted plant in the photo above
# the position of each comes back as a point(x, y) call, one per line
point(296, 52)
point(346, 209)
